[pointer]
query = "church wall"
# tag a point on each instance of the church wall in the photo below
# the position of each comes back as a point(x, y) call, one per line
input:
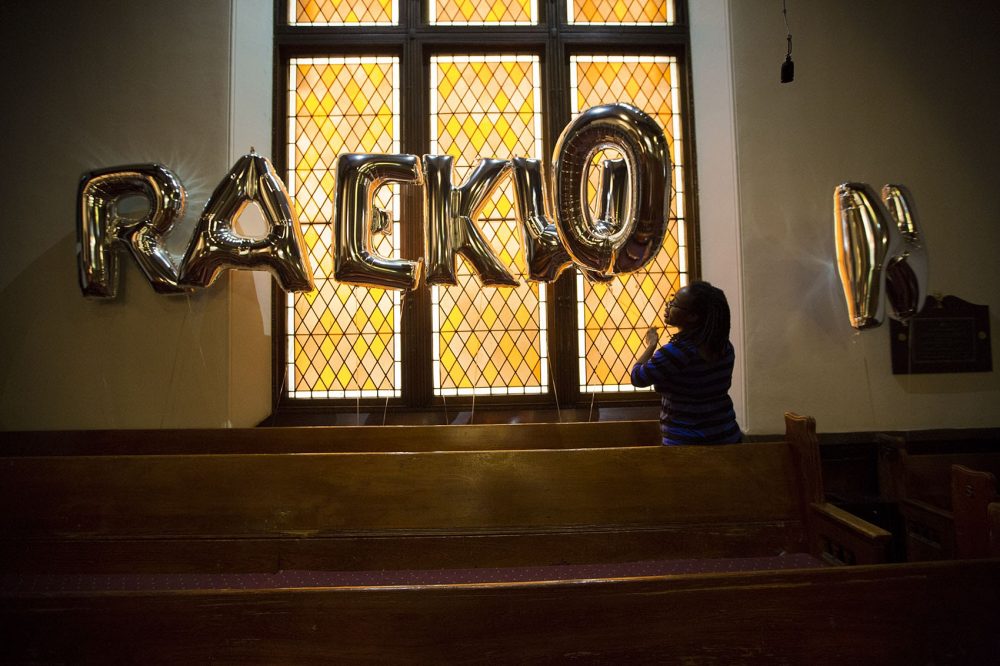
point(89, 87)
point(894, 91)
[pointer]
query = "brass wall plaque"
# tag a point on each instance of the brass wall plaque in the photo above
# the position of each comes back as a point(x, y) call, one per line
point(948, 335)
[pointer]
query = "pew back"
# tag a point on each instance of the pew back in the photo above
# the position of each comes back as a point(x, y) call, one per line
point(332, 439)
point(972, 492)
point(928, 478)
point(243, 495)
point(265, 512)
point(919, 467)
point(915, 474)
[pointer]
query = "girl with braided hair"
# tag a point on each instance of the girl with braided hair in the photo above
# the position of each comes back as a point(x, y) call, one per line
point(694, 370)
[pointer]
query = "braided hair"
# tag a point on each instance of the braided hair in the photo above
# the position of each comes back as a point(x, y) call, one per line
point(711, 333)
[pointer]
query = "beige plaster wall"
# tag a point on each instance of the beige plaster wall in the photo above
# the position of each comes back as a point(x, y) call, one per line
point(900, 91)
point(888, 91)
point(93, 85)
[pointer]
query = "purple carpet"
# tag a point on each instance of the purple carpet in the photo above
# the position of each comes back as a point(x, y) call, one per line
point(27, 584)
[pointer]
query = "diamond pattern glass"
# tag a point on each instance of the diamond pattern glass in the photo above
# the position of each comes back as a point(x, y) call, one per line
point(343, 12)
point(483, 12)
point(620, 12)
point(343, 341)
point(614, 316)
point(488, 341)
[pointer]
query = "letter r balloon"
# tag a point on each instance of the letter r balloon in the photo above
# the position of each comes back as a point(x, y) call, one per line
point(100, 227)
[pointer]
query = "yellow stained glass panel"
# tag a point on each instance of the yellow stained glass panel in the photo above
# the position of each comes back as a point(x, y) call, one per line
point(614, 316)
point(488, 340)
point(621, 12)
point(483, 12)
point(343, 12)
point(343, 341)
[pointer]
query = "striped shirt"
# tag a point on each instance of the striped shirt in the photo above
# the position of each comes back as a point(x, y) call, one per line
point(695, 407)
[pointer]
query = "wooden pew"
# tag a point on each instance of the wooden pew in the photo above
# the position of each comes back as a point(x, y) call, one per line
point(425, 510)
point(268, 512)
point(972, 492)
point(923, 613)
point(332, 439)
point(993, 519)
point(917, 475)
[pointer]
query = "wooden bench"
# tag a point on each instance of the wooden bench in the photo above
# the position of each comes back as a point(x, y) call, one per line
point(332, 439)
point(917, 475)
point(424, 510)
point(923, 613)
point(245, 513)
point(972, 493)
point(993, 520)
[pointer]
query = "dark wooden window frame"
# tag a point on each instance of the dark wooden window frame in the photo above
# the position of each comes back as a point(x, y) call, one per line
point(414, 41)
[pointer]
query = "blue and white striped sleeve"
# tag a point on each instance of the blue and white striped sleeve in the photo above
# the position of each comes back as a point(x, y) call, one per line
point(665, 362)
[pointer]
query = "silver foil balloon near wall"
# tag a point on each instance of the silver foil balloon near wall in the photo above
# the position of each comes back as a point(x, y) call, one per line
point(101, 227)
point(907, 270)
point(609, 247)
point(359, 176)
point(879, 254)
point(216, 246)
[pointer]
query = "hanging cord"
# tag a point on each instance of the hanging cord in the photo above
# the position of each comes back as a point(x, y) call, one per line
point(357, 402)
point(472, 416)
point(386, 410)
point(787, 67)
point(590, 416)
point(788, 32)
point(444, 399)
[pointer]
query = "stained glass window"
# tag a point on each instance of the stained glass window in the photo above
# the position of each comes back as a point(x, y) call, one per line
point(343, 12)
point(483, 12)
point(620, 12)
point(343, 341)
point(378, 76)
point(488, 341)
point(614, 316)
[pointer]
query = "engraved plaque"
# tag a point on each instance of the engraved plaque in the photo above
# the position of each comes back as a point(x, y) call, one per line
point(948, 335)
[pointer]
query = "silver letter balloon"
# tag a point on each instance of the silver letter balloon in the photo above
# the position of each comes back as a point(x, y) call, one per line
point(878, 251)
point(216, 246)
point(359, 176)
point(450, 221)
point(544, 252)
point(907, 270)
point(101, 227)
point(862, 248)
point(613, 246)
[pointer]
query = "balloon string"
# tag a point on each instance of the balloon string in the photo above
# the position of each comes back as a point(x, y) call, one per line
point(386, 410)
point(871, 395)
point(590, 416)
point(281, 389)
point(357, 402)
point(444, 399)
point(173, 366)
point(472, 417)
point(555, 391)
